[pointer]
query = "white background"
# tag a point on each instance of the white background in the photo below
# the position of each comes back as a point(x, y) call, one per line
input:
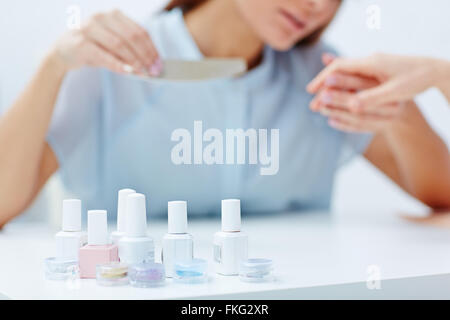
point(28, 28)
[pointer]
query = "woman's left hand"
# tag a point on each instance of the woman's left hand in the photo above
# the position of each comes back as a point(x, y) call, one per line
point(334, 98)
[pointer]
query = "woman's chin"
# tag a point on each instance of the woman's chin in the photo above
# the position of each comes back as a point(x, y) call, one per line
point(281, 45)
point(280, 41)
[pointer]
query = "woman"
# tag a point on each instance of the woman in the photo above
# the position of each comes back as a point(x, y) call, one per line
point(104, 130)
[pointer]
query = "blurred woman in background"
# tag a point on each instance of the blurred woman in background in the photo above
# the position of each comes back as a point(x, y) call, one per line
point(103, 130)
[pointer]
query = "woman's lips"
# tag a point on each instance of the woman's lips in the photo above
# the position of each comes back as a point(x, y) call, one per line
point(294, 22)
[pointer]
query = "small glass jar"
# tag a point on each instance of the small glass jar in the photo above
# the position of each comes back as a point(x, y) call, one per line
point(256, 270)
point(145, 275)
point(59, 269)
point(112, 274)
point(192, 271)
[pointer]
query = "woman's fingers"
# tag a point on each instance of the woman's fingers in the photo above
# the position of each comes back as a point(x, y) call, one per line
point(99, 57)
point(343, 99)
point(148, 48)
point(315, 104)
point(341, 87)
point(125, 46)
point(354, 66)
point(335, 98)
point(388, 92)
point(342, 125)
point(387, 110)
point(349, 82)
point(344, 119)
point(134, 36)
point(347, 121)
point(102, 37)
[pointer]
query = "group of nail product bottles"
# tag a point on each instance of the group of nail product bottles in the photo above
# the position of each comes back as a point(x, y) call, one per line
point(135, 250)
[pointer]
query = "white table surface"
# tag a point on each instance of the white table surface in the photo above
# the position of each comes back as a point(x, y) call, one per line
point(312, 250)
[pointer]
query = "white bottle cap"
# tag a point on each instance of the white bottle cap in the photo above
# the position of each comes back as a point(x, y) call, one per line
point(97, 228)
point(122, 209)
point(71, 220)
point(177, 213)
point(136, 216)
point(231, 215)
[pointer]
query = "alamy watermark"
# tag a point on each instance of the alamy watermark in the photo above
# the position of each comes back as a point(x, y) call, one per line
point(74, 17)
point(373, 281)
point(210, 147)
point(373, 21)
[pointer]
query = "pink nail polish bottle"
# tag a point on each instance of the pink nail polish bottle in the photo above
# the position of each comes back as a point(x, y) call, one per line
point(98, 250)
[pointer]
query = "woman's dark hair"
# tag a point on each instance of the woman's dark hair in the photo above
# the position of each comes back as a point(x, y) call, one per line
point(187, 5)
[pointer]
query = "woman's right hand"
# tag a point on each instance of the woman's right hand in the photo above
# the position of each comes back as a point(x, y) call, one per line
point(112, 41)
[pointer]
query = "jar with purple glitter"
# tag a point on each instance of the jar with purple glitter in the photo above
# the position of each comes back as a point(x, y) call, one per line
point(145, 275)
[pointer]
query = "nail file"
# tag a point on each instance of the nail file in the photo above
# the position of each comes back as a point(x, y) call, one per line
point(198, 70)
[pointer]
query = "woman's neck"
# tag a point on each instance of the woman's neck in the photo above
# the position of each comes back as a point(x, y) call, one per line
point(219, 31)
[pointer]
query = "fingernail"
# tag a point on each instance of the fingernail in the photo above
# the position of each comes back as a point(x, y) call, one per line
point(331, 81)
point(326, 98)
point(325, 111)
point(154, 71)
point(159, 62)
point(127, 68)
point(156, 68)
point(333, 123)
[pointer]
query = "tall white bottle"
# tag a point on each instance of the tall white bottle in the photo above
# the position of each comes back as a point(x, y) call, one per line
point(177, 243)
point(121, 215)
point(230, 244)
point(71, 238)
point(136, 246)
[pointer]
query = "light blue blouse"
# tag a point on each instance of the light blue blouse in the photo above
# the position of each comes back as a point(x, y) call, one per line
point(111, 131)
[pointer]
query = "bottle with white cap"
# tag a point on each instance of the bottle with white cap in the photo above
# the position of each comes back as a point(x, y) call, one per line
point(178, 245)
point(121, 215)
point(136, 247)
point(71, 238)
point(98, 249)
point(230, 244)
